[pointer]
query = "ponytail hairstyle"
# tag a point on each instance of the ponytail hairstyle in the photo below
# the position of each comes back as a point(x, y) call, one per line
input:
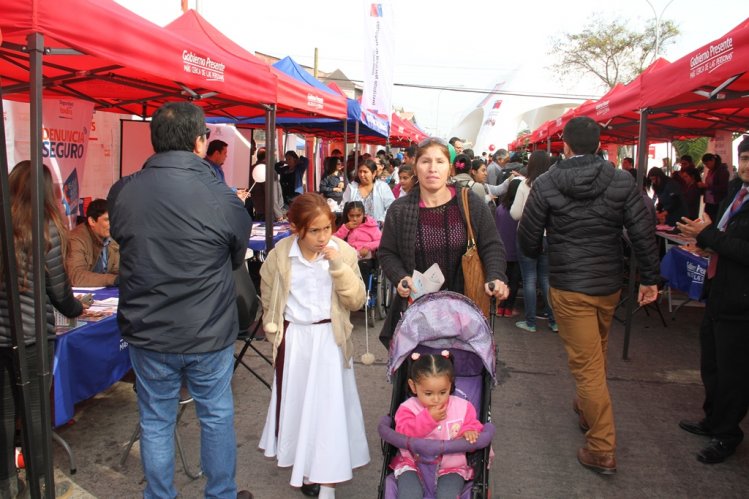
point(426, 365)
point(462, 164)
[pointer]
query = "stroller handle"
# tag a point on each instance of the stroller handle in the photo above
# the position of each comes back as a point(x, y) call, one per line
point(429, 449)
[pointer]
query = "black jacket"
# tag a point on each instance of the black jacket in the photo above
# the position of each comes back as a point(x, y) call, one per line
point(397, 251)
point(59, 295)
point(671, 200)
point(583, 203)
point(728, 290)
point(327, 185)
point(181, 231)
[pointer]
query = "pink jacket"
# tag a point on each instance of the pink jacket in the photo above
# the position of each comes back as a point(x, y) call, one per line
point(367, 235)
point(412, 419)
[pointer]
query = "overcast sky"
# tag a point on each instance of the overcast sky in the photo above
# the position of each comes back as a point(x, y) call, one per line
point(467, 43)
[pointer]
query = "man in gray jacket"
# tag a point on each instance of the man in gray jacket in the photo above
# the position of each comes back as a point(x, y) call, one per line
point(181, 232)
point(583, 203)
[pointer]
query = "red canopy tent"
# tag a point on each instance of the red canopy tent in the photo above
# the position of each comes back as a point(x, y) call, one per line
point(404, 133)
point(705, 90)
point(293, 98)
point(104, 53)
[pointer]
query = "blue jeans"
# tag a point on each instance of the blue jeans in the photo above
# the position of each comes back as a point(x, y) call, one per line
point(535, 271)
point(208, 379)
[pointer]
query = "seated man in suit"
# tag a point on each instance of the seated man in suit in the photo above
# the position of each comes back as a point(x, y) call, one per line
point(93, 258)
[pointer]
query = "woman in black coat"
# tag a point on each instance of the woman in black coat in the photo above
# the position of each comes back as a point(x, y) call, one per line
point(59, 296)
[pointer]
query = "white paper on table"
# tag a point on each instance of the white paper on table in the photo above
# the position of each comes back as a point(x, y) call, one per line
point(109, 302)
point(79, 288)
point(428, 282)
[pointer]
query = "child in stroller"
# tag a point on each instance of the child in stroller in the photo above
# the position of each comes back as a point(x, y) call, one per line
point(363, 233)
point(434, 413)
point(436, 324)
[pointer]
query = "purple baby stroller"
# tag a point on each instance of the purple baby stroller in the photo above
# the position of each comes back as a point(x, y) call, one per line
point(435, 322)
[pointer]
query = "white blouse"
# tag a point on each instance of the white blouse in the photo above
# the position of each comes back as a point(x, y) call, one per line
point(311, 288)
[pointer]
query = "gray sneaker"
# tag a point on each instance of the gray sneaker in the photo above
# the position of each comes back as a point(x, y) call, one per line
point(525, 326)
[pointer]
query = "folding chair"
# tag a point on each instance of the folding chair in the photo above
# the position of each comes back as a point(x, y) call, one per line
point(184, 399)
point(247, 309)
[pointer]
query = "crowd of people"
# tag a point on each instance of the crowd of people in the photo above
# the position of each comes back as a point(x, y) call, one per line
point(406, 213)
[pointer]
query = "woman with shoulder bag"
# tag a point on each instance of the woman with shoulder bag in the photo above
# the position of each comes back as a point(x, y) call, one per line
point(430, 226)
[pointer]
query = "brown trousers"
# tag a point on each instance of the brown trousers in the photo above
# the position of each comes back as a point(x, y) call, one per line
point(584, 322)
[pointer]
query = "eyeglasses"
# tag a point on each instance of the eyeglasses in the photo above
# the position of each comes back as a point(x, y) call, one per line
point(207, 133)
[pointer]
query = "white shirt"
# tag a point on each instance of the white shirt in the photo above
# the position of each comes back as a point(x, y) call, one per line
point(311, 288)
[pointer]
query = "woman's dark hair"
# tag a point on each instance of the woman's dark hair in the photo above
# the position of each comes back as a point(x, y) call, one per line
point(428, 364)
point(368, 163)
point(305, 208)
point(330, 165)
point(538, 164)
point(509, 196)
point(404, 168)
point(353, 205)
point(476, 164)
point(462, 164)
point(176, 125)
point(19, 182)
point(710, 156)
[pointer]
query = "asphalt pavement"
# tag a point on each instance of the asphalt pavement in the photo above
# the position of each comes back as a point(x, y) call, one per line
point(537, 433)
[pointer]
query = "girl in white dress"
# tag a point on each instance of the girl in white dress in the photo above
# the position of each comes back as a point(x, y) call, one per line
point(309, 284)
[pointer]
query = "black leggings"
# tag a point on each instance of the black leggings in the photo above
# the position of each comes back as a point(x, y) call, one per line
point(9, 397)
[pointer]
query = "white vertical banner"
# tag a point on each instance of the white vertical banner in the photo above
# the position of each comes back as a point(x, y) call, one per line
point(379, 57)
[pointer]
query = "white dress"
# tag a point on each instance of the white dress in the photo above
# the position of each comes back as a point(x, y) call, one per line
point(321, 428)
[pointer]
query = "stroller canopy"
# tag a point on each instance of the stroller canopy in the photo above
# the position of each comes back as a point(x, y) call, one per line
point(443, 320)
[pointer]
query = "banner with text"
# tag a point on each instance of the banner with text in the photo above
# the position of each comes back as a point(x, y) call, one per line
point(379, 58)
point(66, 126)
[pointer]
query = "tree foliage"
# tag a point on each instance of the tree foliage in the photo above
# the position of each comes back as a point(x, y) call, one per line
point(694, 147)
point(611, 51)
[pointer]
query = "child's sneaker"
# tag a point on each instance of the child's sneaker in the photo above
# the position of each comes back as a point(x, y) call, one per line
point(553, 326)
point(524, 326)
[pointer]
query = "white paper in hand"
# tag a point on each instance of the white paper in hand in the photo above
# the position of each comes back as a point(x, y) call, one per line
point(428, 282)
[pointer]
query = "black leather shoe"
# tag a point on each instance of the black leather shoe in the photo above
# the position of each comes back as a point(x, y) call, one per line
point(716, 452)
point(244, 494)
point(311, 489)
point(696, 427)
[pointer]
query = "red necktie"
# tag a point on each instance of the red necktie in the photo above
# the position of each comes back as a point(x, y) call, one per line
point(713, 264)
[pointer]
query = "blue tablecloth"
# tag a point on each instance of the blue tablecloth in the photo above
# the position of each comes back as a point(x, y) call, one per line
point(88, 360)
point(684, 271)
point(257, 238)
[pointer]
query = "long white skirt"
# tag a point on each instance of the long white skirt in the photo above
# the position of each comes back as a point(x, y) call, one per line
point(321, 427)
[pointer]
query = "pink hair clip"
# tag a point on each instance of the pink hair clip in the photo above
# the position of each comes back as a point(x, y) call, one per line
point(415, 356)
point(445, 354)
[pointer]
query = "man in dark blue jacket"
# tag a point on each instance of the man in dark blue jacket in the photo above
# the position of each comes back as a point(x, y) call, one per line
point(584, 203)
point(724, 333)
point(181, 232)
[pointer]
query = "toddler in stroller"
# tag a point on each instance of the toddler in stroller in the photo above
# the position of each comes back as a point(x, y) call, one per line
point(425, 454)
point(363, 234)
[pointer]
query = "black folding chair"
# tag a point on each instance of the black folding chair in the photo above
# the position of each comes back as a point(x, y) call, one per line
point(250, 323)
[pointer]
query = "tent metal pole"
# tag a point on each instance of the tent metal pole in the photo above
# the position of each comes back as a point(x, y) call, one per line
point(642, 159)
point(548, 144)
point(10, 282)
point(270, 172)
point(36, 49)
point(345, 152)
point(358, 152)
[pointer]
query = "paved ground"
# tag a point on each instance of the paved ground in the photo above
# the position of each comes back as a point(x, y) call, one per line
point(537, 434)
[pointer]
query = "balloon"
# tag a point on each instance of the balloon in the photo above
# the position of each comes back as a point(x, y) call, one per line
point(258, 173)
point(452, 153)
point(491, 147)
